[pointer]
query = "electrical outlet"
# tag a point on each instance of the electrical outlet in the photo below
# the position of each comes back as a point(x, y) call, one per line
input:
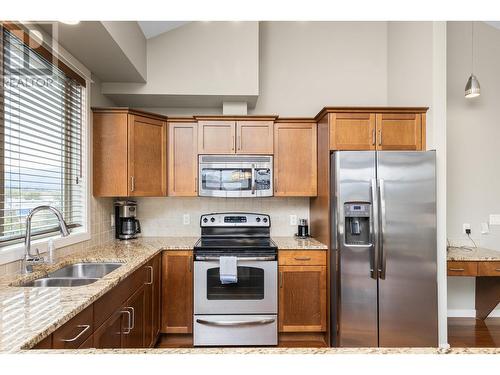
point(494, 219)
point(293, 219)
point(465, 228)
point(112, 220)
point(186, 219)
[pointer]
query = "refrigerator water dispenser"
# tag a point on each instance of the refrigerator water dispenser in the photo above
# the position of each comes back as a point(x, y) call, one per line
point(357, 223)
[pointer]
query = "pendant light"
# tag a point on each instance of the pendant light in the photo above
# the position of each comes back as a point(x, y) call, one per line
point(472, 88)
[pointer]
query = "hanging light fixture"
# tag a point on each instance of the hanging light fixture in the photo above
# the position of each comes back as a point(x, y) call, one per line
point(472, 88)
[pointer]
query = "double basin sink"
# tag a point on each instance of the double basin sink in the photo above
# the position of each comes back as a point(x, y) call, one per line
point(78, 274)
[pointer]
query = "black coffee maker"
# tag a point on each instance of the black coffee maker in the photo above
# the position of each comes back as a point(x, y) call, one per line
point(126, 224)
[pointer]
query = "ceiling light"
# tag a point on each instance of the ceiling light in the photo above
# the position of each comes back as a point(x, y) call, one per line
point(70, 22)
point(472, 87)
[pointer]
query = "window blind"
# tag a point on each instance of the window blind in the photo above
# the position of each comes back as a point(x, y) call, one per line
point(40, 142)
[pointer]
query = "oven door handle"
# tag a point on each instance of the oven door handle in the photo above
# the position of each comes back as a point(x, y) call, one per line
point(235, 323)
point(240, 259)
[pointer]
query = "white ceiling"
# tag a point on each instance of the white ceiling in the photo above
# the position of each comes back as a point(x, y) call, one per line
point(154, 28)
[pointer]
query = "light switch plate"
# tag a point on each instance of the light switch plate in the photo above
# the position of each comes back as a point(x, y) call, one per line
point(186, 219)
point(485, 229)
point(112, 220)
point(293, 219)
point(494, 219)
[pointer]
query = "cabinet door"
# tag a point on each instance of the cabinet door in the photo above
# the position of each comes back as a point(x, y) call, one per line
point(147, 156)
point(216, 137)
point(254, 137)
point(302, 299)
point(133, 337)
point(109, 132)
point(177, 292)
point(110, 333)
point(152, 308)
point(182, 159)
point(352, 131)
point(400, 131)
point(295, 159)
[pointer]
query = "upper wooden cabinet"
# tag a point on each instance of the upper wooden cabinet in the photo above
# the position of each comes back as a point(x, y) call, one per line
point(295, 159)
point(182, 159)
point(376, 128)
point(216, 137)
point(254, 137)
point(236, 136)
point(352, 131)
point(130, 153)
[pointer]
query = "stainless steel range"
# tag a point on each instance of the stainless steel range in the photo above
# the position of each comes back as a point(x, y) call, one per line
point(235, 281)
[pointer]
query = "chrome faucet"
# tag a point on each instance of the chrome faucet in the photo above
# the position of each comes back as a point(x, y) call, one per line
point(31, 259)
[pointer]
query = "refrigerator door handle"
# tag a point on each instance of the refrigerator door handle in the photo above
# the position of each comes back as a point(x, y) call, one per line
point(374, 230)
point(382, 256)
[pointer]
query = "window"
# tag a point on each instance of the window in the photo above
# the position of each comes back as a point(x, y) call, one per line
point(41, 114)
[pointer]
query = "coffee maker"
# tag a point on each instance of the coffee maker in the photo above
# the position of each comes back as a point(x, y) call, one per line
point(126, 224)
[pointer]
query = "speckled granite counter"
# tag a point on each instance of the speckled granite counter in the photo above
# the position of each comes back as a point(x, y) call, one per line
point(28, 314)
point(295, 243)
point(261, 350)
point(472, 254)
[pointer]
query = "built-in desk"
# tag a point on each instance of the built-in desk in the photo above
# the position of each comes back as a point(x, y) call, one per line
point(484, 265)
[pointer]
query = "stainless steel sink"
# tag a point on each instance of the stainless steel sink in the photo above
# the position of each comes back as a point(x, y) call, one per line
point(60, 282)
point(85, 270)
point(77, 274)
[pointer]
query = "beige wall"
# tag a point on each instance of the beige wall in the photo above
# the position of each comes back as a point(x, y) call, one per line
point(473, 147)
point(164, 216)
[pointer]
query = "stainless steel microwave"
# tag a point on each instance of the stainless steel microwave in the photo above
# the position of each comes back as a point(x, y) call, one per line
point(235, 176)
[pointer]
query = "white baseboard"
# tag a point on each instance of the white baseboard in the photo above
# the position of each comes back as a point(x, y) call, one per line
point(470, 313)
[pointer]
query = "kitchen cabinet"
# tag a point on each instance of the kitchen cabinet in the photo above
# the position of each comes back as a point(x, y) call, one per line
point(216, 137)
point(302, 292)
point(177, 292)
point(129, 153)
point(182, 159)
point(295, 159)
point(75, 332)
point(127, 316)
point(374, 128)
point(251, 136)
point(153, 302)
point(254, 137)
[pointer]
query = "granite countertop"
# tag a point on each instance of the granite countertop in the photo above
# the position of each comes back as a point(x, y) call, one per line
point(295, 243)
point(472, 254)
point(29, 314)
point(274, 350)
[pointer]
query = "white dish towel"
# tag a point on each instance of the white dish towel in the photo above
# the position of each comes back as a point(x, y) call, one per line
point(228, 270)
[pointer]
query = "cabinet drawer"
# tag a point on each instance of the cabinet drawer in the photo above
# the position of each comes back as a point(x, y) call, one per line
point(74, 333)
point(462, 269)
point(46, 343)
point(489, 269)
point(302, 258)
point(112, 300)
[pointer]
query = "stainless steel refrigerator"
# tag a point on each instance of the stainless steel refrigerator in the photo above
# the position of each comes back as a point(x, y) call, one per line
point(383, 271)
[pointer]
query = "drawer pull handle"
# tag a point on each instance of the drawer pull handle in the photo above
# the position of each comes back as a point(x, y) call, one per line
point(302, 258)
point(235, 323)
point(151, 275)
point(497, 269)
point(85, 329)
point(456, 269)
point(129, 327)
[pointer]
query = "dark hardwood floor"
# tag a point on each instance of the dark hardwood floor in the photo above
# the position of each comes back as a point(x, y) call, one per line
point(472, 333)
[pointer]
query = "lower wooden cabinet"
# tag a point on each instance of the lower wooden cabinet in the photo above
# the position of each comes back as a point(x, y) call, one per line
point(177, 292)
point(128, 316)
point(302, 294)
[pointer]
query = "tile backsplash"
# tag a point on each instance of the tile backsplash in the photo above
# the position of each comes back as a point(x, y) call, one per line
point(165, 216)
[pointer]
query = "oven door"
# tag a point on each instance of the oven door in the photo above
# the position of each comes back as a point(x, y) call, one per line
point(254, 293)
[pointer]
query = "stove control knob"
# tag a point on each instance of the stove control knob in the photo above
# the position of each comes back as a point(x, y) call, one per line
point(258, 220)
point(265, 220)
point(212, 220)
point(205, 219)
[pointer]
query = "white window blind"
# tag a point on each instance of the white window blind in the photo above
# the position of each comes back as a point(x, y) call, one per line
point(40, 142)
